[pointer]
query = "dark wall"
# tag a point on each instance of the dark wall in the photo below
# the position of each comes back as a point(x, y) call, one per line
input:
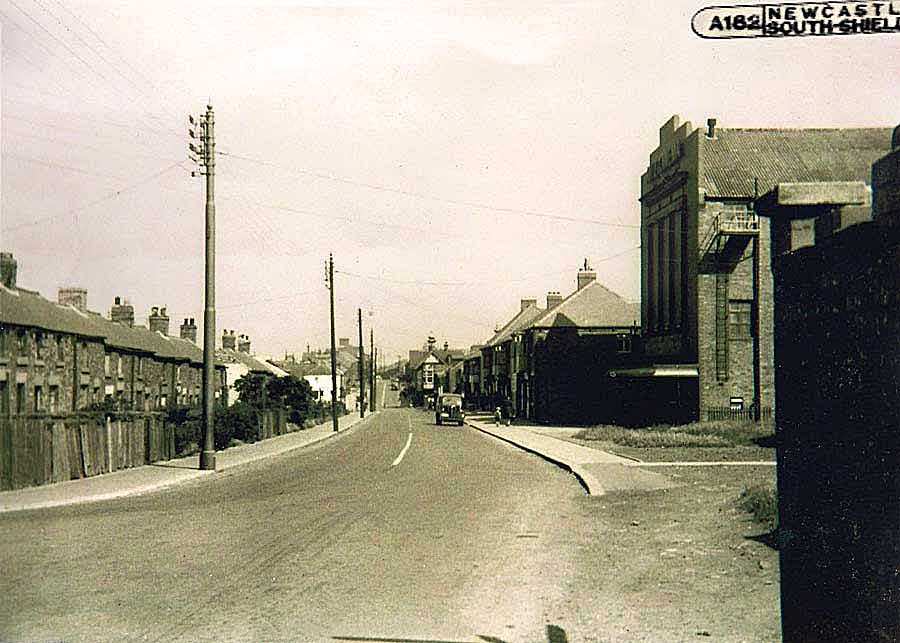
point(837, 357)
point(571, 381)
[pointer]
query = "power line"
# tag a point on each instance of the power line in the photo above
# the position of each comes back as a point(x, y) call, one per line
point(417, 282)
point(108, 197)
point(422, 195)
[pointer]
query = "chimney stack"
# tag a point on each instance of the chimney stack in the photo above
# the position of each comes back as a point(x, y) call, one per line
point(586, 275)
point(446, 346)
point(710, 128)
point(527, 303)
point(76, 297)
point(189, 330)
point(122, 313)
point(554, 299)
point(158, 320)
point(243, 344)
point(8, 269)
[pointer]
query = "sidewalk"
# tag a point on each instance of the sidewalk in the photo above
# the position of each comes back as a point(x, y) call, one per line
point(159, 475)
point(598, 471)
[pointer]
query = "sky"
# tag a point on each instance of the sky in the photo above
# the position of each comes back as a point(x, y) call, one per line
point(453, 157)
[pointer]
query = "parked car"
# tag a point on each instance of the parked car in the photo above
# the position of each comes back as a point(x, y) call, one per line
point(449, 409)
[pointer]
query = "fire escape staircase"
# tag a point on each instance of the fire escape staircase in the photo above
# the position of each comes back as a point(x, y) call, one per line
point(728, 236)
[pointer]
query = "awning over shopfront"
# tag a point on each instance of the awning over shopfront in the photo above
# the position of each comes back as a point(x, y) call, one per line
point(657, 370)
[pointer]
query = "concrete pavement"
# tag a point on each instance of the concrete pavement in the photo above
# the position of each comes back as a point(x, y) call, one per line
point(159, 475)
point(598, 471)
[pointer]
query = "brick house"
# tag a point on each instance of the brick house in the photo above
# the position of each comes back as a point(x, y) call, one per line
point(57, 358)
point(498, 354)
point(562, 359)
point(706, 278)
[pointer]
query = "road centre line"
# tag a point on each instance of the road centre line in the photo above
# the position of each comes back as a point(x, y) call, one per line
point(403, 453)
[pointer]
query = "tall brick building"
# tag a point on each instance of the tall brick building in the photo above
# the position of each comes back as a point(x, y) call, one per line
point(706, 278)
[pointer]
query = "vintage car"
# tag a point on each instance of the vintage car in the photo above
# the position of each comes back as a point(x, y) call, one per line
point(449, 409)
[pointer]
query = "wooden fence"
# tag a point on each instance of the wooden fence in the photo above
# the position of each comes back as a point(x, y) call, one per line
point(39, 449)
point(272, 422)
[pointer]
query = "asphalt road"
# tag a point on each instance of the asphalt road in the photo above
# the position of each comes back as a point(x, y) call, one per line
point(399, 530)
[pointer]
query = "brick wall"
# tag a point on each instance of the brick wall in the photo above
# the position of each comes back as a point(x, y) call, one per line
point(837, 353)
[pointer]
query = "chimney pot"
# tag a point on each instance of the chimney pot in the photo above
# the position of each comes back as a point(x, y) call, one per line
point(586, 275)
point(8, 268)
point(527, 303)
point(76, 297)
point(553, 299)
point(118, 301)
point(711, 127)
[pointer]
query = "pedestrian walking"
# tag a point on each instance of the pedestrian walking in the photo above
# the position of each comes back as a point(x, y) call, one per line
point(497, 416)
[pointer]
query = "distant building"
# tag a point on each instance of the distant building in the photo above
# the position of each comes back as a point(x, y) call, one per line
point(706, 279)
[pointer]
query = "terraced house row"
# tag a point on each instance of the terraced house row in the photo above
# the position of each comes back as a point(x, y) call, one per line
point(61, 363)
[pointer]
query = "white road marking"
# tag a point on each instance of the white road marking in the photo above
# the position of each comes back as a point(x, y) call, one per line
point(403, 453)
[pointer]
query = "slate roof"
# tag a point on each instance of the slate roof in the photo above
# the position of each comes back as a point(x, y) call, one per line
point(594, 306)
point(735, 157)
point(22, 307)
point(231, 356)
point(522, 320)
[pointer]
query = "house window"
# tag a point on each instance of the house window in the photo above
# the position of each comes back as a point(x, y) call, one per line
point(54, 399)
point(38, 399)
point(22, 342)
point(119, 366)
point(140, 366)
point(37, 341)
point(4, 398)
point(84, 396)
point(740, 320)
point(623, 343)
point(58, 347)
point(20, 398)
point(106, 365)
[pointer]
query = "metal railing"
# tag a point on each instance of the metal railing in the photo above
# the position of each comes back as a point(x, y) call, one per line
point(731, 221)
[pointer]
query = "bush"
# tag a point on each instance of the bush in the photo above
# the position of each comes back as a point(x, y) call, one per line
point(188, 422)
point(761, 502)
point(239, 422)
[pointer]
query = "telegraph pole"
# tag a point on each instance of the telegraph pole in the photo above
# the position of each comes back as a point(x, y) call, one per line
point(205, 157)
point(329, 278)
point(372, 369)
point(375, 376)
point(362, 377)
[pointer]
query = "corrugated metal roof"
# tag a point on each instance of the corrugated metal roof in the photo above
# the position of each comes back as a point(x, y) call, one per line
point(595, 306)
point(735, 157)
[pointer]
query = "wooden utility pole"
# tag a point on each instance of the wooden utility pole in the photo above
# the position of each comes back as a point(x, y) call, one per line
point(334, 417)
point(372, 369)
point(205, 157)
point(362, 370)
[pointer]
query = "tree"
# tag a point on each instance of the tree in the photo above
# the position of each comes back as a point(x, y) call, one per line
point(294, 394)
point(251, 389)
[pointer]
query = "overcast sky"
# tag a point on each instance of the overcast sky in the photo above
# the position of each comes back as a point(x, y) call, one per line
point(455, 159)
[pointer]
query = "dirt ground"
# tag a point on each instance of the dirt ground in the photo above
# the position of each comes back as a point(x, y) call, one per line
point(683, 564)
